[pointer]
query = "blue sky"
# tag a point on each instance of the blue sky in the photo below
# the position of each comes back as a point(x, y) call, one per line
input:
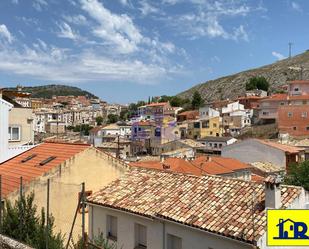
point(126, 50)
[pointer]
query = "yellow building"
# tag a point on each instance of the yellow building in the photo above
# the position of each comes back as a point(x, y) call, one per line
point(211, 127)
point(194, 130)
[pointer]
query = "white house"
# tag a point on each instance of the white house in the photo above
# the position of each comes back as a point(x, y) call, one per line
point(115, 130)
point(235, 118)
point(256, 150)
point(207, 112)
point(164, 210)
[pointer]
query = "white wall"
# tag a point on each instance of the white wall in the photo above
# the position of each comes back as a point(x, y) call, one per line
point(232, 107)
point(5, 107)
point(208, 112)
point(250, 150)
point(191, 238)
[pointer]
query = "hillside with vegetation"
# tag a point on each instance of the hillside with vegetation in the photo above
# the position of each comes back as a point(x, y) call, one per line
point(47, 91)
point(277, 74)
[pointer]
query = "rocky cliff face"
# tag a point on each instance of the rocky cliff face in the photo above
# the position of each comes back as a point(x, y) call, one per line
point(233, 86)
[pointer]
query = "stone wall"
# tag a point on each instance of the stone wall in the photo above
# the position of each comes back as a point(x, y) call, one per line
point(8, 243)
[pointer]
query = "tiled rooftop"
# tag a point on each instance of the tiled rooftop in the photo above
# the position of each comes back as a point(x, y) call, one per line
point(157, 104)
point(267, 167)
point(14, 168)
point(283, 147)
point(214, 204)
point(202, 165)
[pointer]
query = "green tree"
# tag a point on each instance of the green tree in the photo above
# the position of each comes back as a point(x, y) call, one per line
point(112, 118)
point(257, 83)
point(197, 100)
point(83, 128)
point(21, 222)
point(124, 115)
point(99, 120)
point(298, 175)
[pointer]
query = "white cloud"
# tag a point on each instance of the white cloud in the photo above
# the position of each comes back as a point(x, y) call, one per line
point(146, 8)
point(240, 34)
point(117, 30)
point(67, 32)
point(171, 2)
point(77, 19)
point(30, 21)
point(5, 33)
point(278, 55)
point(39, 4)
point(216, 59)
point(57, 64)
point(72, 2)
point(124, 2)
point(209, 18)
point(296, 7)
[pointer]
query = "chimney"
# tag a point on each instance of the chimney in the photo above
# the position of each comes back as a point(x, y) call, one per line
point(166, 166)
point(273, 191)
point(5, 107)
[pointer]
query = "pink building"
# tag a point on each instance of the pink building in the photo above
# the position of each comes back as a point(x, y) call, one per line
point(268, 108)
point(298, 87)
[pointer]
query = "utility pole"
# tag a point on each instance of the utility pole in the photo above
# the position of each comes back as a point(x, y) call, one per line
point(290, 49)
point(118, 147)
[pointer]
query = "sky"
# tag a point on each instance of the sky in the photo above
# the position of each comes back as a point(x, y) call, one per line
point(127, 50)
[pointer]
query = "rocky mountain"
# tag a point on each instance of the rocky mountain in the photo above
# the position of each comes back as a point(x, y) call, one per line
point(47, 91)
point(233, 86)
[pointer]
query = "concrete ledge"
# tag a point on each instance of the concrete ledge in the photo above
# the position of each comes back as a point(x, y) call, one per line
point(8, 243)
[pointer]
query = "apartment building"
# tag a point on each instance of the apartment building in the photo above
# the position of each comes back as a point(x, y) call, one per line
point(294, 120)
point(298, 94)
point(235, 117)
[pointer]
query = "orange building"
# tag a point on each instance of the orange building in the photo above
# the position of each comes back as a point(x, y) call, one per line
point(294, 120)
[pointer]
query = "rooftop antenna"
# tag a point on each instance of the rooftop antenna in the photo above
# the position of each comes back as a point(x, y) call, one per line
point(290, 49)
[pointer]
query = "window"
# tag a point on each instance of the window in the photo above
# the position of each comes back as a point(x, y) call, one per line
point(304, 114)
point(282, 103)
point(14, 133)
point(307, 128)
point(111, 227)
point(173, 242)
point(214, 125)
point(294, 128)
point(140, 236)
point(290, 114)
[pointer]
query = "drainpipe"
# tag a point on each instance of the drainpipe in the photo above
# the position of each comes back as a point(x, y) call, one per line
point(163, 223)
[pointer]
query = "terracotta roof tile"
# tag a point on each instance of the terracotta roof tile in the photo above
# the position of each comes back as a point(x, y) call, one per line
point(157, 104)
point(283, 147)
point(299, 82)
point(215, 204)
point(200, 166)
point(13, 169)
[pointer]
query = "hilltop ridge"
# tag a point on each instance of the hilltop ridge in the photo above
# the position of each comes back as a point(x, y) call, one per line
point(48, 91)
point(232, 86)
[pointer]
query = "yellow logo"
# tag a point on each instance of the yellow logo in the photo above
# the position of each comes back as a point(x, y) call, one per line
point(288, 227)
